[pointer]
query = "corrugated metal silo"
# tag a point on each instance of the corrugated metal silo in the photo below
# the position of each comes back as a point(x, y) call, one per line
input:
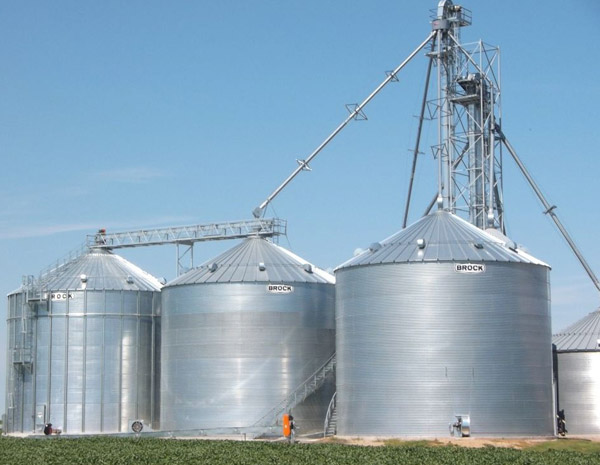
point(240, 333)
point(82, 356)
point(443, 320)
point(578, 357)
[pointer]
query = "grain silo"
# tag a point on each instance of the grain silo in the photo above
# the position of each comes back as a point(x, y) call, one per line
point(82, 347)
point(578, 372)
point(242, 332)
point(439, 321)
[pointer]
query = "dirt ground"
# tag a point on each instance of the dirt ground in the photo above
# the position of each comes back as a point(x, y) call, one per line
point(474, 442)
point(515, 443)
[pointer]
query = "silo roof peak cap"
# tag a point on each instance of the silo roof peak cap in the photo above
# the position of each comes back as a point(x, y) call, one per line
point(255, 260)
point(442, 236)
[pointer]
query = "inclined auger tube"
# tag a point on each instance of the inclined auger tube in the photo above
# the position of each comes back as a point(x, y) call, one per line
point(303, 164)
point(549, 209)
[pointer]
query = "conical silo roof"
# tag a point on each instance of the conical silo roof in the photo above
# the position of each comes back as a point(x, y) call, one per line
point(255, 260)
point(584, 335)
point(100, 270)
point(442, 237)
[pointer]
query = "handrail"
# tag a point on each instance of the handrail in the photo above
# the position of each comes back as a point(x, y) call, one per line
point(300, 393)
point(330, 409)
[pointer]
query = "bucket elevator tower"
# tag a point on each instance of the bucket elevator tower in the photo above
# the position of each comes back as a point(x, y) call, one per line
point(466, 105)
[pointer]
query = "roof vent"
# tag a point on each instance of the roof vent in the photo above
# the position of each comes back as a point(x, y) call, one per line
point(308, 268)
point(421, 243)
point(213, 267)
point(598, 343)
point(478, 245)
point(129, 279)
point(261, 266)
point(163, 281)
point(83, 278)
point(374, 247)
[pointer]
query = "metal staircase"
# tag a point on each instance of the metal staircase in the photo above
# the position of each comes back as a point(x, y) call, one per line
point(299, 395)
point(330, 426)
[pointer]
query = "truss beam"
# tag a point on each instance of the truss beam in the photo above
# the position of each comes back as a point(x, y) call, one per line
point(188, 235)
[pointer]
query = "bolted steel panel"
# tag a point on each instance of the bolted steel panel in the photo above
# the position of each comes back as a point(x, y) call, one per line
point(92, 361)
point(418, 343)
point(578, 357)
point(579, 390)
point(232, 351)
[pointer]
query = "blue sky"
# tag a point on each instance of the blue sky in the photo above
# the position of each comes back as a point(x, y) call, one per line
point(144, 113)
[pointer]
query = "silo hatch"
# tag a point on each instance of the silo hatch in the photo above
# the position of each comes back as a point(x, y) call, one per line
point(461, 428)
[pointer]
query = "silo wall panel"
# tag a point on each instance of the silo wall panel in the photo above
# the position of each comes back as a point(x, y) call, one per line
point(418, 343)
point(93, 362)
point(156, 363)
point(231, 352)
point(579, 391)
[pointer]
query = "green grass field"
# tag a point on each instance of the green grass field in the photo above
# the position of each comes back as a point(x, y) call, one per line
point(120, 451)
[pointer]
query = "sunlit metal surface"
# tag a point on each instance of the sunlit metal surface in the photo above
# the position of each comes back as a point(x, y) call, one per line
point(582, 335)
point(82, 357)
point(578, 355)
point(442, 236)
point(419, 342)
point(231, 350)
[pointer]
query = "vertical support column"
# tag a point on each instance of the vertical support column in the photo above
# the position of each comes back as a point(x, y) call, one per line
point(50, 340)
point(492, 189)
point(84, 367)
point(449, 62)
point(103, 363)
point(137, 357)
point(34, 337)
point(152, 363)
point(66, 374)
point(8, 371)
point(21, 370)
point(185, 251)
point(120, 397)
point(440, 199)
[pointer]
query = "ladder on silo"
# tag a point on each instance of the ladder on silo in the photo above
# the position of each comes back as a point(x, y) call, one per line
point(22, 354)
point(300, 394)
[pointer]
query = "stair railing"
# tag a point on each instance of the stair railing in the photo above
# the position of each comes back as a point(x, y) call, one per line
point(298, 395)
point(330, 410)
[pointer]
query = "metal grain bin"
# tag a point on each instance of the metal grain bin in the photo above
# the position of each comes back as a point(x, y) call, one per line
point(440, 321)
point(578, 367)
point(240, 333)
point(82, 348)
